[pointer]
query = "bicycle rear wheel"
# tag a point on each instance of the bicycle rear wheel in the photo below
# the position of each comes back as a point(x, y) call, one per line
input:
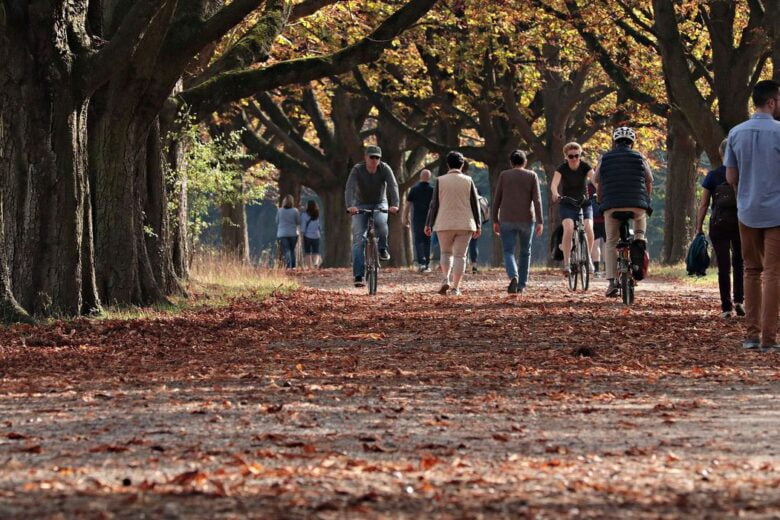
point(584, 263)
point(626, 288)
point(574, 265)
point(372, 265)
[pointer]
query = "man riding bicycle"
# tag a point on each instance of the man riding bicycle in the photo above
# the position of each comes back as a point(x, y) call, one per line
point(369, 185)
point(624, 183)
point(573, 177)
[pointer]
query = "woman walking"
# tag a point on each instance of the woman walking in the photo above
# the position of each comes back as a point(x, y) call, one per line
point(724, 234)
point(310, 229)
point(454, 216)
point(287, 221)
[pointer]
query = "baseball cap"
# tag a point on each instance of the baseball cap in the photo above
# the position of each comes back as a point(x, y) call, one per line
point(373, 151)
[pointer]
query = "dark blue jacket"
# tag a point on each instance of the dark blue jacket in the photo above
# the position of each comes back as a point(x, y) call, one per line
point(622, 178)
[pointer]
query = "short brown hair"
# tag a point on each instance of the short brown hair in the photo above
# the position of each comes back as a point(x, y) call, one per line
point(571, 146)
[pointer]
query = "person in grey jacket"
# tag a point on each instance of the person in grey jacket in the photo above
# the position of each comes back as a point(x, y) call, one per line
point(287, 221)
point(369, 186)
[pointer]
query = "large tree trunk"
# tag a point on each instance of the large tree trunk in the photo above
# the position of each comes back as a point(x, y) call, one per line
point(337, 228)
point(10, 310)
point(43, 181)
point(494, 170)
point(235, 237)
point(680, 213)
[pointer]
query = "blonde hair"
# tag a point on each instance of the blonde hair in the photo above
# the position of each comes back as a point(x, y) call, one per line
point(288, 201)
point(571, 146)
point(722, 148)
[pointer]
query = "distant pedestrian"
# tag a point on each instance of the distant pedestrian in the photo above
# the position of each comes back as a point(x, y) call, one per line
point(517, 211)
point(454, 215)
point(310, 229)
point(419, 202)
point(724, 235)
point(753, 167)
point(287, 221)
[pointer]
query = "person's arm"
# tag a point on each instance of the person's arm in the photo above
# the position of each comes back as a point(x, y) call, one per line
point(592, 178)
point(350, 190)
point(732, 176)
point(536, 197)
point(554, 195)
point(730, 161)
point(433, 210)
point(703, 206)
point(392, 191)
point(597, 180)
point(297, 218)
point(497, 196)
point(475, 212)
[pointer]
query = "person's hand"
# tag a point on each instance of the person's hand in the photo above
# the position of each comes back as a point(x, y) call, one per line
point(555, 198)
point(428, 231)
point(496, 228)
point(476, 233)
point(393, 209)
point(406, 224)
point(539, 229)
point(352, 210)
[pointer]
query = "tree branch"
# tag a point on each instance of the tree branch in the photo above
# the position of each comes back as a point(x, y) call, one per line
point(313, 109)
point(231, 86)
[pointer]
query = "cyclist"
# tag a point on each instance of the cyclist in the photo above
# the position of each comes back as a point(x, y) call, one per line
point(624, 183)
point(369, 186)
point(573, 177)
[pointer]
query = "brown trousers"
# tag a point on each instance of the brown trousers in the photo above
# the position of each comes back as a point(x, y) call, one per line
point(761, 256)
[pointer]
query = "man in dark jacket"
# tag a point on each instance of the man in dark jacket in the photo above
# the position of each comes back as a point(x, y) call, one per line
point(369, 186)
point(419, 200)
point(625, 183)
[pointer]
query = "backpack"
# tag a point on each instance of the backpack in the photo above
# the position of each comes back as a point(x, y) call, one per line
point(724, 209)
point(484, 208)
point(698, 259)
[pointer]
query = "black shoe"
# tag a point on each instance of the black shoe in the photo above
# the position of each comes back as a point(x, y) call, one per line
point(512, 289)
point(384, 255)
point(359, 281)
point(474, 269)
point(444, 288)
point(612, 289)
point(739, 308)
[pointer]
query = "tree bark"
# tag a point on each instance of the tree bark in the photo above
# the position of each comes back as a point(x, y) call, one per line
point(337, 228)
point(43, 181)
point(680, 212)
point(235, 237)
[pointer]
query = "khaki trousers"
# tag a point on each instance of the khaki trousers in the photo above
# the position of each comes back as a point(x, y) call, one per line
point(454, 246)
point(761, 256)
point(612, 227)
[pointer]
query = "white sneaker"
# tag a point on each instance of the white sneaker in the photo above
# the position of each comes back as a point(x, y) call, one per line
point(456, 291)
point(727, 314)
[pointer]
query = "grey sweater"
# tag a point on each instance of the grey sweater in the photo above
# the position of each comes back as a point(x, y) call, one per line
point(287, 222)
point(371, 188)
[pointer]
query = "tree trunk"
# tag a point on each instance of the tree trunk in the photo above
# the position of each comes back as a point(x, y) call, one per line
point(337, 228)
point(680, 212)
point(43, 181)
point(10, 310)
point(235, 238)
point(494, 170)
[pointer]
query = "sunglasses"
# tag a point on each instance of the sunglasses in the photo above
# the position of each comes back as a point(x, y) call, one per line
point(573, 156)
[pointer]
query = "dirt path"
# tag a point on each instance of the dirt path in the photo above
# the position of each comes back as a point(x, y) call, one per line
point(327, 403)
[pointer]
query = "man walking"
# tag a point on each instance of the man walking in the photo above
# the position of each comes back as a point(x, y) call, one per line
point(369, 185)
point(419, 200)
point(517, 205)
point(753, 168)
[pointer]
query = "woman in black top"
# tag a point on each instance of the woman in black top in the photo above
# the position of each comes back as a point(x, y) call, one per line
point(571, 180)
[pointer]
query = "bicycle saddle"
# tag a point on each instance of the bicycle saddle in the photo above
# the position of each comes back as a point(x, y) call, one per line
point(623, 215)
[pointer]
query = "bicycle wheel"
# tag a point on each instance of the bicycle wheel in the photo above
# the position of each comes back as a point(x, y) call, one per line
point(372, 265)
point(574, 266)
point(626, 288)
point(584, 263)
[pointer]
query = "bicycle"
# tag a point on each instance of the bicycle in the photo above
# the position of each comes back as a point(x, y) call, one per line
point(371, 249)
point(579, 258)
point(625, 266)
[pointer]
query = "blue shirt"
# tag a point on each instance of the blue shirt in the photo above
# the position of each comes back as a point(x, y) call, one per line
point(309, 227)
point(420, 196)
point(754, 149)
point(287, 221)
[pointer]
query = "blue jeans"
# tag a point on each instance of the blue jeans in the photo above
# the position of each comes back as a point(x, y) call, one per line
point(422, 246)
point(511, 232)
point(473, 251)
point(359, 229)
point(288, 250)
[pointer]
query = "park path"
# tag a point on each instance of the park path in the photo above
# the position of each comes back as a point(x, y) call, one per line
point(327, 403)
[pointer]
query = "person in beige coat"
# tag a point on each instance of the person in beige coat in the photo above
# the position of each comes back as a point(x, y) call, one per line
point(454, 215)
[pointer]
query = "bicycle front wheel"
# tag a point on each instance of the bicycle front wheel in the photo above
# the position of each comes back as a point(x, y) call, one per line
point(584, 264)
point(372, 265)
point(573, 267)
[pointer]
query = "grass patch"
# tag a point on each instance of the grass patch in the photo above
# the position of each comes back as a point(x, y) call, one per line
point(678, 272)
point(215, 280)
